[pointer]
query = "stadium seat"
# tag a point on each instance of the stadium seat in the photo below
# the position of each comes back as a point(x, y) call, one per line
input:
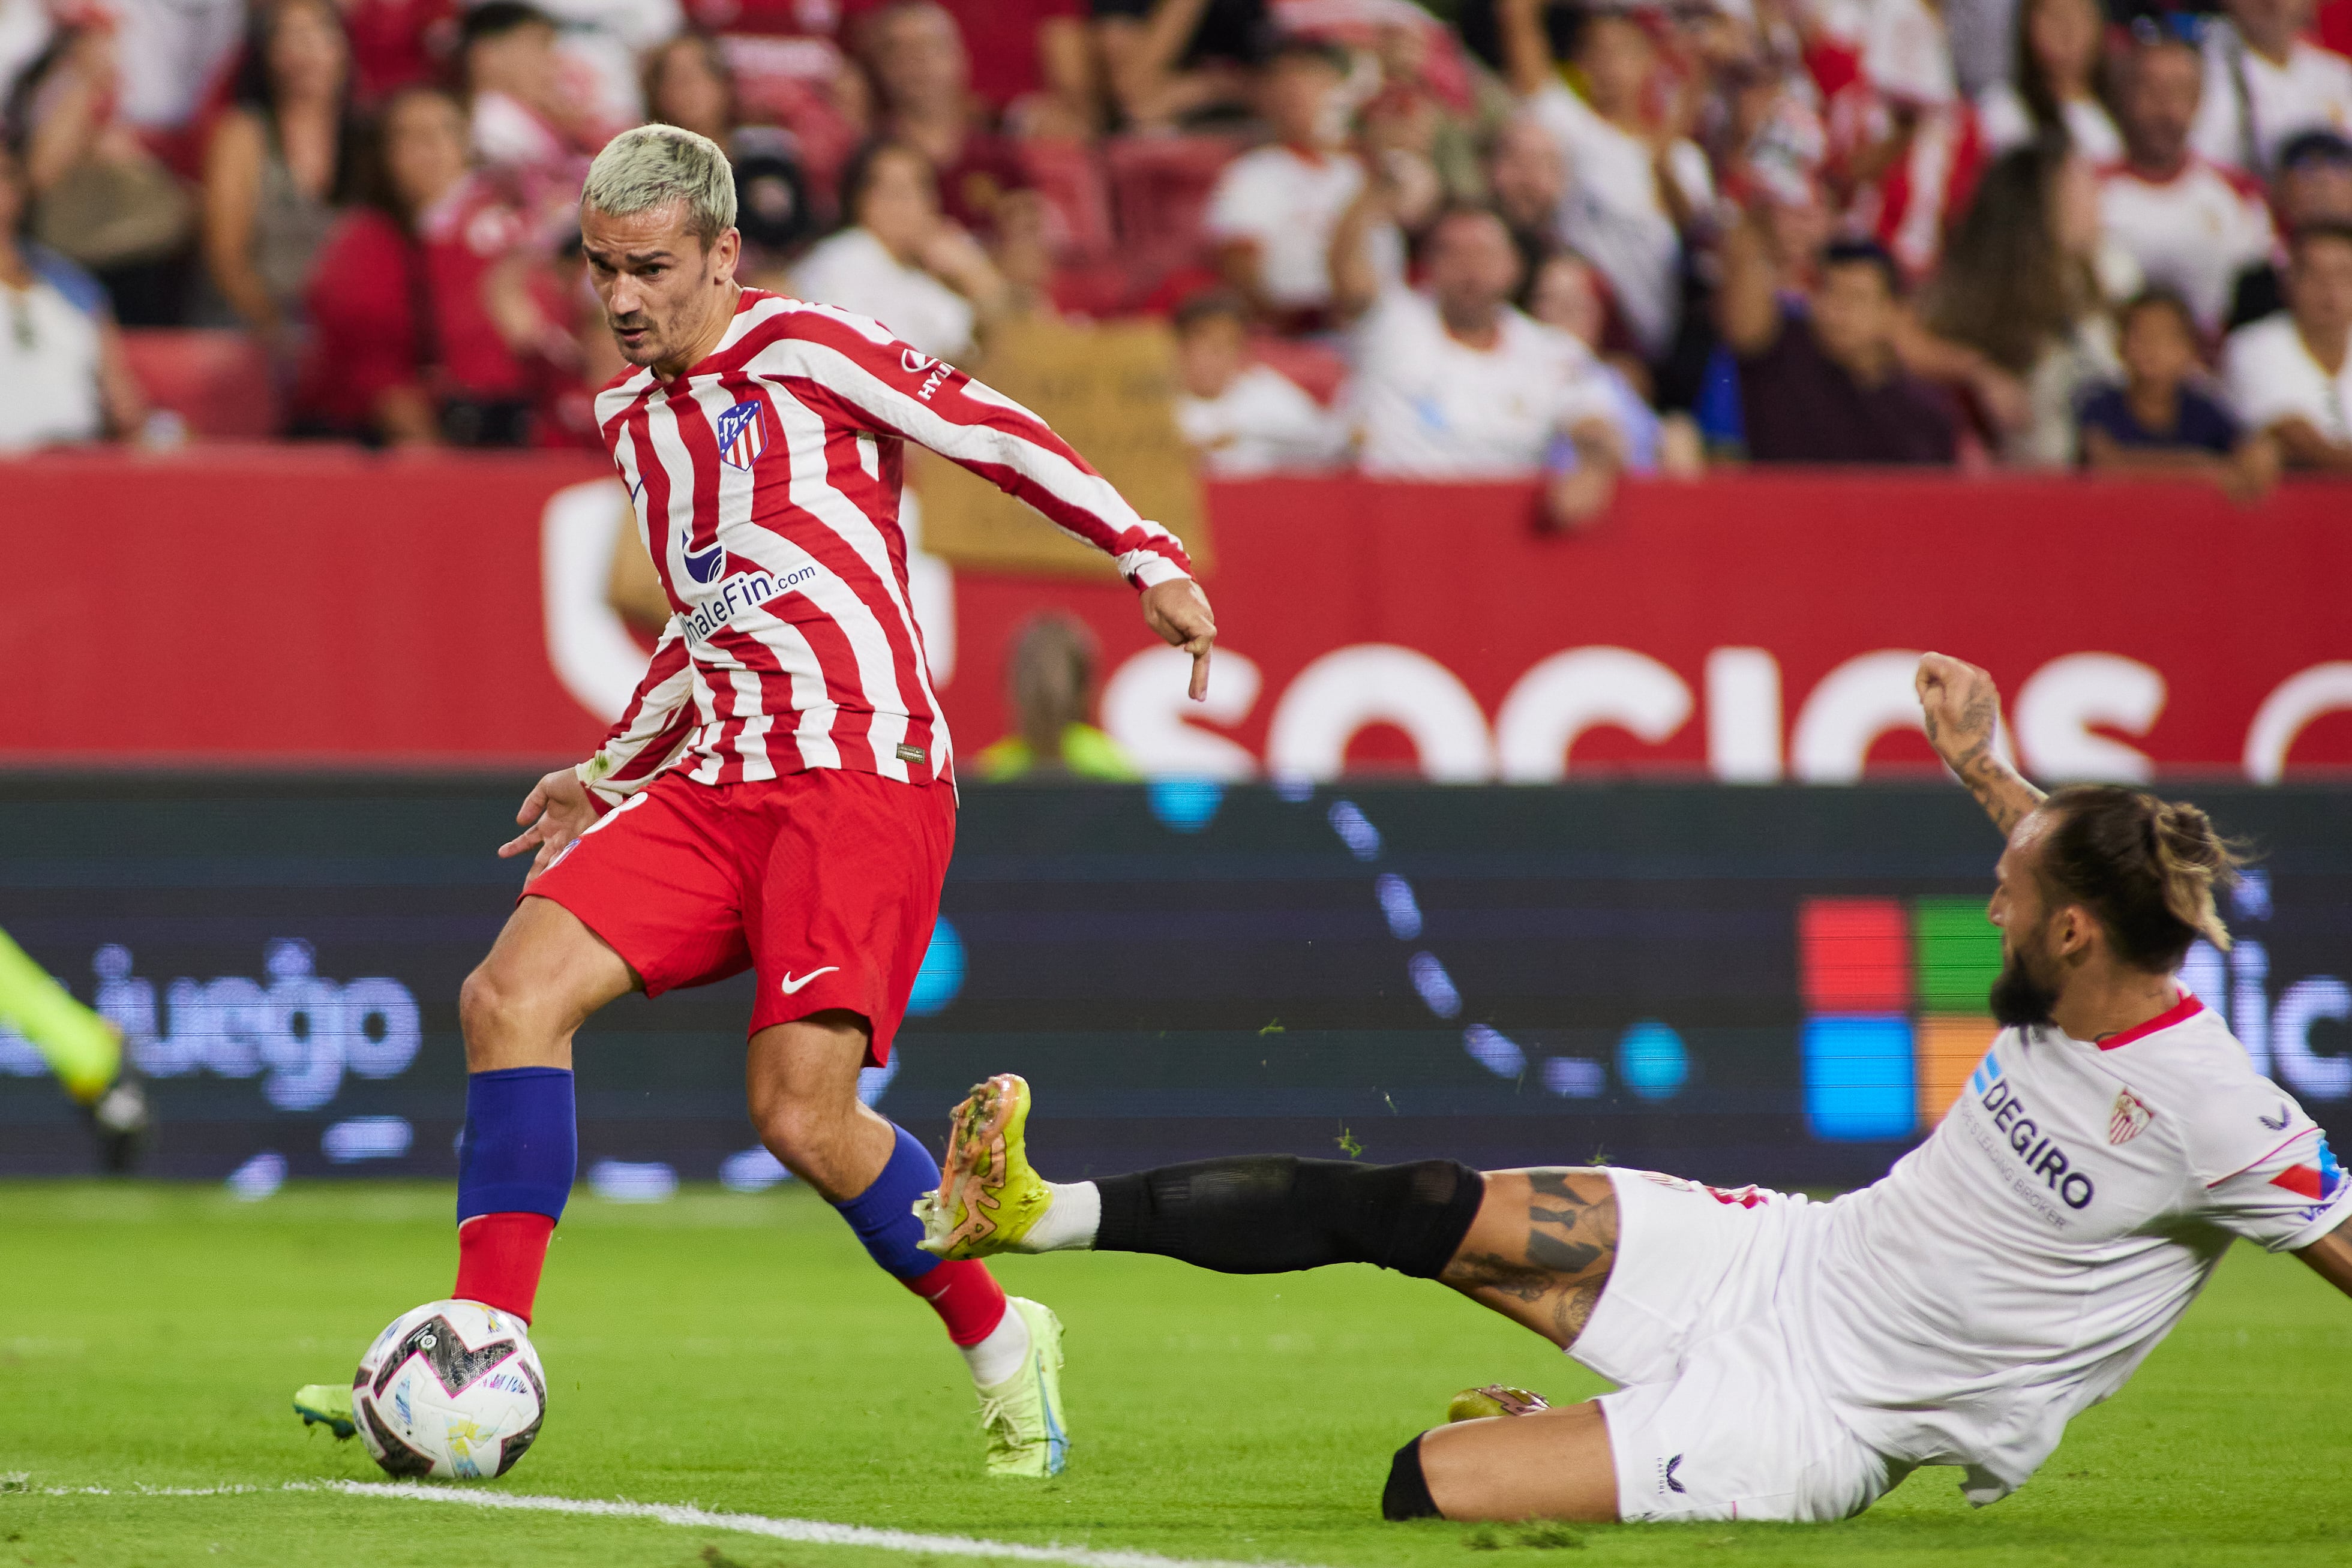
point(1159, 191)
point(1070, 178)
point(216, 379)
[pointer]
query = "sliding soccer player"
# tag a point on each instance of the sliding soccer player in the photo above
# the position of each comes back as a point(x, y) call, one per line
point(1782, 1359)
point(779, 794)
point(82, 1048)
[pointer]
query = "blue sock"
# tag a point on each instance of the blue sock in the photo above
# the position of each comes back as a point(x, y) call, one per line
point(522, 1147)
point(883, 1213)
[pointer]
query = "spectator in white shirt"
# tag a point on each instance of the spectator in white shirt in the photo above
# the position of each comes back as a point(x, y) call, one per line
point(2264, 83)
point(2053, 82)
point(2290, 375)
point(1245, 419)
point(1454, 383)
point(1276, 210)
point(63, 375)
point(2191, 224)
point(1634, 184)
point(899, 260)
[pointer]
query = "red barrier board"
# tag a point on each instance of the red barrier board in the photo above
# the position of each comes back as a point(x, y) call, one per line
point(268, 607)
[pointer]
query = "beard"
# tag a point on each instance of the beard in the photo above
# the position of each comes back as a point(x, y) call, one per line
point(2018, 998)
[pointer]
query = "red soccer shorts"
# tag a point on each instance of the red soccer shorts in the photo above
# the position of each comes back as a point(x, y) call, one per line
point(826, 883)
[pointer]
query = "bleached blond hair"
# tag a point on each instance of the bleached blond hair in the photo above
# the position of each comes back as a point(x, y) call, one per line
point(654, 165)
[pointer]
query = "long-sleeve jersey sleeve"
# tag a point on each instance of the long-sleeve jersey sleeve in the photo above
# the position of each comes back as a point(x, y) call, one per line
point(851, 369)
point(650, 730)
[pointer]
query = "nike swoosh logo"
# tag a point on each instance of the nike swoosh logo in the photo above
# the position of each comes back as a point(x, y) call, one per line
point(2284, 1116)
point(791, 985)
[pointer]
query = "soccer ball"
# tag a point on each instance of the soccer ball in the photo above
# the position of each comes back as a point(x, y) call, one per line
point(451, 1389)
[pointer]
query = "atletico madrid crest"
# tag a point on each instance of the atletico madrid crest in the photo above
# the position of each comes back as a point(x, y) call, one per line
point(743, 434)
point(2129, 1119)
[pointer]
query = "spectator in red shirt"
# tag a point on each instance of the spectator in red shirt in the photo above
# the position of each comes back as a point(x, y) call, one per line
point(922, 80)
point(404, 351)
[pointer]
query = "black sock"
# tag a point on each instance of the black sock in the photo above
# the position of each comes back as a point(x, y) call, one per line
point(1269, 1214)
point(1407, 1494)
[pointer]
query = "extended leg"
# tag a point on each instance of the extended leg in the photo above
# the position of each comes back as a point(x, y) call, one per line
point(545, 975)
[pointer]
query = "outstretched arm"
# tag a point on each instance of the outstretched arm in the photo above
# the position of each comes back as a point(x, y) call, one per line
point(2330, 1256)
point(1962, 708)
point(853, 369)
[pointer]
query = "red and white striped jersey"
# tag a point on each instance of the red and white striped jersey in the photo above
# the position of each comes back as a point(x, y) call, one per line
point(767, 482)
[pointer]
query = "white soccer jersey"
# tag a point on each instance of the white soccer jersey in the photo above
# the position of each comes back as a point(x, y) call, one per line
point(2018, 1266)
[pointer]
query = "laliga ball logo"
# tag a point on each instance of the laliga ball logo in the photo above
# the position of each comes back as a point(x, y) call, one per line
point(450, 1389)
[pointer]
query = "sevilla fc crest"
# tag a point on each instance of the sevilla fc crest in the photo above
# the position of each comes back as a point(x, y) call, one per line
point(743, 434)
point(2130, 1118)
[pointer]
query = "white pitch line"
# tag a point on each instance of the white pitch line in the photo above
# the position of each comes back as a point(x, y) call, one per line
point(809, 1531)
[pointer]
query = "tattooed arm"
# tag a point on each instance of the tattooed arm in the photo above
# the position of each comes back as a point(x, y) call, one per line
point(1541, 1248)
point(1962, 708)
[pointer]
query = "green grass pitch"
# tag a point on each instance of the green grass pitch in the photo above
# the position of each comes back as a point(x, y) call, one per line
point(741, 1354)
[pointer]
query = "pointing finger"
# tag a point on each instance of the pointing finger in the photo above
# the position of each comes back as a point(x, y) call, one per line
point(1200, 648)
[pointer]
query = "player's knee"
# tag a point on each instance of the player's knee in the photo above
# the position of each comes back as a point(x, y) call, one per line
point(800, 1132)
point(1407, 1496)
point(500, 1019)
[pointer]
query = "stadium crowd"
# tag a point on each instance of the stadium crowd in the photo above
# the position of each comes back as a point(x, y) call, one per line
point(1518, 237)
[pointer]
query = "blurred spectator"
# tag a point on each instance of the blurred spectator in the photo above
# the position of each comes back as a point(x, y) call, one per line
point(1635, 183)
point(404, 348)
point(1171, 61)
point(2264, 83)
point(2313, 184)
point(599, 45)
point(1051, 677)
point(2157, 420)
point(63, 376)
point(922, 79)
point(2019, 284)
point(395, 44)
point(522, 125)
point(2290, 375)
point(2191, 224)
point(1570, 295)
point(688, 83)
point(1276, 211)
point(2053, 82)
point(899, 260)
point(1453, 382)
point(1527, 184)
point(1032, 64)
point(1242, 418)
point(25, 29)
point(280, 158)
point(100, 198)
point(170, 53)
point(1820, 377)
point(1903, 148)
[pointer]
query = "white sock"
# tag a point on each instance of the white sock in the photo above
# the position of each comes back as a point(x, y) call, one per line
point(1001, 1353)
point(1069, 1225)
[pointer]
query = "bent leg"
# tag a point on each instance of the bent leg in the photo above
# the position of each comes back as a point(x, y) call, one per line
point(1553, 1464)
point(801, 1080)
point(544, 976)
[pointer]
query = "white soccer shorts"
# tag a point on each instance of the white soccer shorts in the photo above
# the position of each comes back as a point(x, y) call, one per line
point(1717, 1419)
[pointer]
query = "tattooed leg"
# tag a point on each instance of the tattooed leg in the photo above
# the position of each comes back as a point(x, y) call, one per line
point(1540, 1250)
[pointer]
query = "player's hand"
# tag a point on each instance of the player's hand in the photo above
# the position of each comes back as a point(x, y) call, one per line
point(555, 813)
point(1180, 612)
point(1960, 704)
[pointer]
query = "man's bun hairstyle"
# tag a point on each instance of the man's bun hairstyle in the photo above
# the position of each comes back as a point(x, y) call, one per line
point(2147, 869)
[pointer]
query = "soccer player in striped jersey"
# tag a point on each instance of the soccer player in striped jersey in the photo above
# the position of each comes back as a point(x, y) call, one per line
point(1782, 1359)
point(779, 794)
